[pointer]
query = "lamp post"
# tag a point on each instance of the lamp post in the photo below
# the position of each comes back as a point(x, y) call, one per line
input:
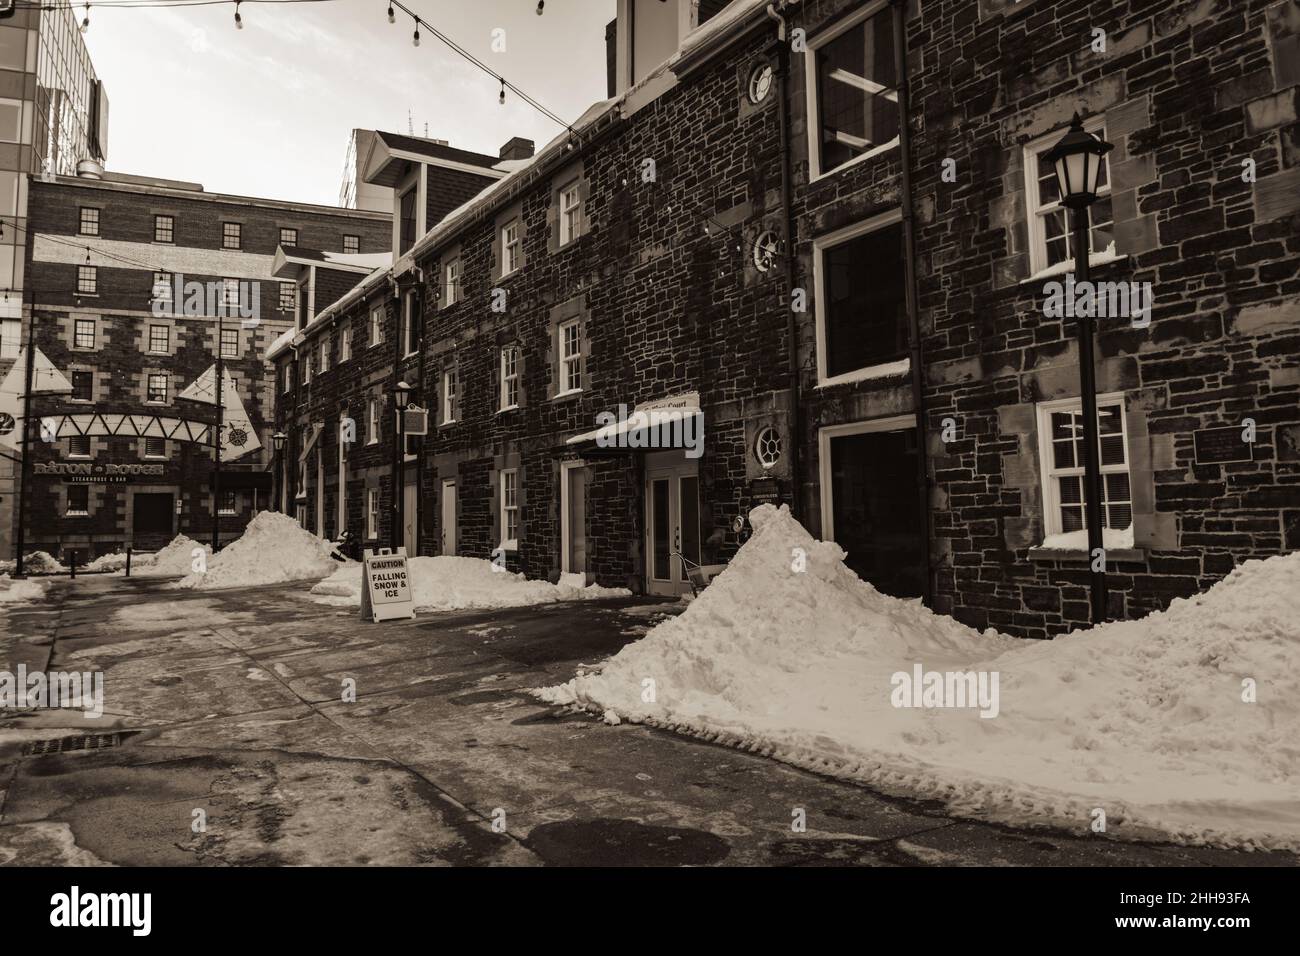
point(277, 441)
point(1077, 159)
point(401, 391)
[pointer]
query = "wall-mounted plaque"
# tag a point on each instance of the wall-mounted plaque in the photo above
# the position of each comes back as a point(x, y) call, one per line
point(1214, 446)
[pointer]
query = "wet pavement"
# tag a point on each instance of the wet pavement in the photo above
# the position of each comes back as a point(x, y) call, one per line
point(227, 740)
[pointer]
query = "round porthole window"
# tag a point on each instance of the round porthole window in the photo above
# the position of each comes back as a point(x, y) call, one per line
point(766, 250)
point(760, 83)
point(767, 447)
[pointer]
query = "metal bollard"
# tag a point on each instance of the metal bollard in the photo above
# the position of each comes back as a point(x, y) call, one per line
point(128, 561)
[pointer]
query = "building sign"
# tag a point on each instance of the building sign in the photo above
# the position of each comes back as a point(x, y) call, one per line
point(1215, 446)
point(95, 473)
point(765, 491)
point(385, 586)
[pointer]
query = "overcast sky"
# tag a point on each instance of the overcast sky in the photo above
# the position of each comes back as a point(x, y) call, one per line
point(267, 110)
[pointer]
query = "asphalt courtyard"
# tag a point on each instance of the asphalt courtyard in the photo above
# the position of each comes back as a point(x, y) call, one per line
point(227, 741)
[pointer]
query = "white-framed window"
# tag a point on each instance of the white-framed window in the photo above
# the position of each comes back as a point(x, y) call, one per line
point(450, 394)
point(288, 296)
point(325, 353)
point(510, 509)
point(89, 223)
point(410, 342)
point(372, 512)
point(570, 211)
point(511, 247)
point(229, 502)
point(1051, 235)
point(79, 446)
point(351, 244)
point(230, 293)
point(87, 280)
point(509, 377)
point(570, 348)
point(160, 338)
point(451, 281)
point(852, 90)
point(860, 301)
point(230, 343)
point(306, 365)
point(156, 388)
point(1060, 446)
point(345, 343)
point(372, 421)
point(83, 334)
point(232, 235)
point(288, 376)
point(164, 228)
point(162, 288)
point(78, 499)
point(288, 236)
point(376, 325)
point(155, 447)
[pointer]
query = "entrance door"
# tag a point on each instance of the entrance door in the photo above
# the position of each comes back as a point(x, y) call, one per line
point(573, 504)
point(410, 500)
point(449, 517)
point(152, 514)
point(870, 505)
point(672, 507)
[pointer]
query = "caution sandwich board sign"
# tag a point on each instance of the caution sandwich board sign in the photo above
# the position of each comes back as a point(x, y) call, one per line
point(386, 585)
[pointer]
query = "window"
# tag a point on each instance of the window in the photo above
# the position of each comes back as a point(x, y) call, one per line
point(83, 334)
point(570, 334)
point(287, 369)
point(162, 288)
point(83, 386)
point(406, 221)
point(288, 296)
point(11, 332)
point(351, 244)
point(410, 329)
point(89, 221)
point(232, 235)
point(163, 228)
point(87, 280)
point(511, 248)
point(160, 338)
point(570, 212)
point(510, 509)
point(155, 448)
point(509, 377)
point(372, 512)
point(78, 499)
point(1060, 437)
point(450, 394)
point(306, 366)
point(79, 446)
point(452, 272)
point(325, 353)
point(230, 293)
point(861, 301)
point(1050, 234)
point(230, 343)
point(11, 120)
point(854, 101)
point(345, 343)
point(376, 325)
point(288, 237)
point(372, 421)
point(229, 502)
point(156, 390)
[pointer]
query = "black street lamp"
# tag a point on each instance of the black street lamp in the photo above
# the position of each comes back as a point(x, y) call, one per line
point(401, 392)
point(1078, 158)
point(277, 441)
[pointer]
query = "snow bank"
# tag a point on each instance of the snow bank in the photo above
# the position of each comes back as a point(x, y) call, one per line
point(1143, 719)
point(12, 592)
point(37, 562)
point(273, 549)
point(456, 584)
point(176, 559)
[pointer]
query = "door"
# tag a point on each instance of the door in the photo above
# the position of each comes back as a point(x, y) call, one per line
point(152, 516)
point(573, 532)
point(449, 517)
point(672, 508)
point(873, 511)
point(410, 502)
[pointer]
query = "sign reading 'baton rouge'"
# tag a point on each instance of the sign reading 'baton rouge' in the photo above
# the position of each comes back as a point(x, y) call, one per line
point(386, 585)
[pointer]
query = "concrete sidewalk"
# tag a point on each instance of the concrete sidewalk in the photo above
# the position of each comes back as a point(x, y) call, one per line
point(226, 708)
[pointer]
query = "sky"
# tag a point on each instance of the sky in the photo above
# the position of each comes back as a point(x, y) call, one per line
point(267, 110)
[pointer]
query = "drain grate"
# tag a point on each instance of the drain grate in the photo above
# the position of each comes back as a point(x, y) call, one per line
point(60, 745)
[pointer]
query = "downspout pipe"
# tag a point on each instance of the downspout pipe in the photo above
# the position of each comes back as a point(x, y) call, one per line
point(791, 271)
point(909, 267)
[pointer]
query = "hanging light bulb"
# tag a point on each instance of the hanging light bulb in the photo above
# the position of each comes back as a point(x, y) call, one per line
point(502, 98)
point(392, 17)
point(416, 37)
point(540, 5)
point(85, 23)
point(239, 21)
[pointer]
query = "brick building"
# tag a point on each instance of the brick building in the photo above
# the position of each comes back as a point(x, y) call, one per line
point(110, 261)
point(733, 234)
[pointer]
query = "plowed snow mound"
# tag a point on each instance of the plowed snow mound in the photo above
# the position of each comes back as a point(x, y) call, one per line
point(273, 549)
point(14, 592)
point(449, 583)
point(1142, 719)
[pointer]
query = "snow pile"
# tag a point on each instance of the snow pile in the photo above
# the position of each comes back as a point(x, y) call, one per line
point(37, 562)
point(175, 560)
point(1143, 719)
point(11, 591)
point(113, 561)
point(450, 583)
point(273, 549)
point(1111, 538)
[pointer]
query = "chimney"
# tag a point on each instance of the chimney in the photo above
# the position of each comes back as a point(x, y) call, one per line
point(517, 148)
